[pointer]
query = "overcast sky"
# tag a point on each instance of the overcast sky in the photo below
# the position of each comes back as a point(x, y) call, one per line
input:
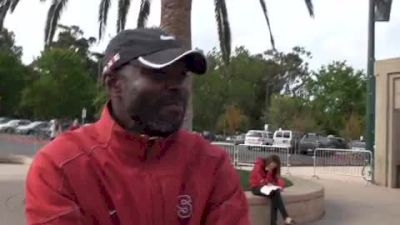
point(338, 31)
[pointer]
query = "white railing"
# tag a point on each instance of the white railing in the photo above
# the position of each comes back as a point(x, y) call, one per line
point(230, 149)
point(246, 155)
point(347, 162)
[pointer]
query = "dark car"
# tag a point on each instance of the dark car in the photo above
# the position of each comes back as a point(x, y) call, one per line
point(309, 142)
point(337, 142)
point(208, 136)
point(236, 139)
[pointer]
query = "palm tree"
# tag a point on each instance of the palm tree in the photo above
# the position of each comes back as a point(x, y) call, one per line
point(175, 19)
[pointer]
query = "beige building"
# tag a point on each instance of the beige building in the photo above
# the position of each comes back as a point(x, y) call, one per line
point(387, 123)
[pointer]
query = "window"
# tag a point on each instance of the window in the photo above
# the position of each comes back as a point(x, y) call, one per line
point(279, 134)
point(254, 134)
point(286, 134)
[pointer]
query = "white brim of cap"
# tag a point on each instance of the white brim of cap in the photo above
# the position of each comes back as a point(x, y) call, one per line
point(168, 57)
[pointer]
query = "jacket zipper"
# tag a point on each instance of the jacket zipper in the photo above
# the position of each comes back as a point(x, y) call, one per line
point(149, 146)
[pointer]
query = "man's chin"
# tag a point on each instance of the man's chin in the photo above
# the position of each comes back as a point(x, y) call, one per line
point(164, 127)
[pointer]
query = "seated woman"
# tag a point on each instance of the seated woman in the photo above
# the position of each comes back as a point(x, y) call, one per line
point(266, 174)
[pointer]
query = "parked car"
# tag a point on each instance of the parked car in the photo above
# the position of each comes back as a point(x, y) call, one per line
point(208, 136)
point(357, 145)
point(31, 128)
point(11, 125)
point(337, 142)
point(309, 142)
point(237, 139)
point(43, 132)
point(287, 138)
point(258, 137)
point(4, 120)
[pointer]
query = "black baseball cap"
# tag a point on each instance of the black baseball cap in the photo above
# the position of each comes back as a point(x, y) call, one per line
point(152, 48)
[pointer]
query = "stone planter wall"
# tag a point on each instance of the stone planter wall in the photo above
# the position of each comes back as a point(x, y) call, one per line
point(304, 202)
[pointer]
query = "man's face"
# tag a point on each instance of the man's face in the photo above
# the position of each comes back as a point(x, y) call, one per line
point(155, 99)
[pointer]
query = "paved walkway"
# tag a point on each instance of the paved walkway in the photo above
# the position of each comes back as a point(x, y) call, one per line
point(12, 194)
point(357, 204)
point(347, 202)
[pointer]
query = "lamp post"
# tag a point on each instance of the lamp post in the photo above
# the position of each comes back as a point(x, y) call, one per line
point(379, 10)
point(370, 110)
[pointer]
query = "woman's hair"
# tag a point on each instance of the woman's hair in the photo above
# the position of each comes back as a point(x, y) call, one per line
point(275, 159)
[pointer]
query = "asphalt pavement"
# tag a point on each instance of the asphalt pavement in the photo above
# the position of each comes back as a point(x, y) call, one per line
point(19, 145)
point(12, 178)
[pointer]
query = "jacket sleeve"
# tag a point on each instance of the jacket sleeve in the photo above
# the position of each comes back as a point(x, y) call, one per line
point(47, 202)
point(281, 182)
point(256, 180)
point(227, 204)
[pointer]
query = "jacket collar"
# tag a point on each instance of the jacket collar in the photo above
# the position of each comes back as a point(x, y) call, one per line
point(129, 144)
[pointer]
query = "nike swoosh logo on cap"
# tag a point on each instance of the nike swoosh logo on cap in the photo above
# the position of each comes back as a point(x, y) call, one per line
point(167, 37)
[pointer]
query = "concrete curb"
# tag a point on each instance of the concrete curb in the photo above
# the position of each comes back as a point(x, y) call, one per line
point(304, 202)
point(15, 159)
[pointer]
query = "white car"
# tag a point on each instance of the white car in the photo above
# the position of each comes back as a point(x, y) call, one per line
point(4, 120)
point(11, 125)
point(283, 138)
point(258, 137)
point(30, 128)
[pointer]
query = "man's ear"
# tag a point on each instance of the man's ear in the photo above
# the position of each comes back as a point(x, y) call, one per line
point(112, 83)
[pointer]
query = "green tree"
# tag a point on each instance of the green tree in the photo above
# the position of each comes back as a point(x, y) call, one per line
point(72, 38)
point(7, 43)
point(353, 127)
point(226, 85)
point(64, 86)
point(336, 91)
point(248, 82)
point(288, 112)
point(175, 19)
point(13, 74)
point(232, 121)
point(286, 74)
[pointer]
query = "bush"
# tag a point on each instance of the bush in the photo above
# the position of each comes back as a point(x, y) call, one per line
point(244, 180)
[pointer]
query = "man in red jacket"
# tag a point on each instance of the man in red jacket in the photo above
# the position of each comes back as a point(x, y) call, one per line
point(135, 166)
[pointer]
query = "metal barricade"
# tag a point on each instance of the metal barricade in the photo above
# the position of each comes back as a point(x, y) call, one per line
point(230, 149)
point(248, 154)
point(346, 162)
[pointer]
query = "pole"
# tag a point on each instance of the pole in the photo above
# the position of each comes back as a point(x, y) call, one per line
point(370, 109)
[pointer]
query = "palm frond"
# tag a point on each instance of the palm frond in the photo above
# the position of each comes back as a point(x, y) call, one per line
point(4, 7)
point(224, 30)
point(144, 12)
point(103, 16)
point(310, 7)
point(123, 9)
point(13, 5)
point(265, 11)
point(53, 16)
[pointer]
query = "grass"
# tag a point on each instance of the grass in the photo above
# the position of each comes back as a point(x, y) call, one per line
point(244, 180)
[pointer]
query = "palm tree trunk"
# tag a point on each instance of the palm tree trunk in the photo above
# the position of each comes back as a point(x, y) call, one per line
point(176, 20)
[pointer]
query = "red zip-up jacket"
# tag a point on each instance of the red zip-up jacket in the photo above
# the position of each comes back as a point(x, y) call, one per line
point(102, 175)
point(259, 177)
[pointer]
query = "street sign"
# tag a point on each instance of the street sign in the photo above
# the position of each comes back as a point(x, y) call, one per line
point(382, 10)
